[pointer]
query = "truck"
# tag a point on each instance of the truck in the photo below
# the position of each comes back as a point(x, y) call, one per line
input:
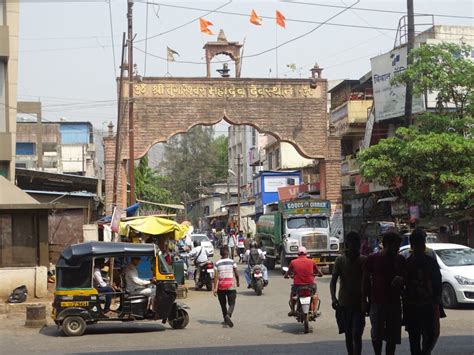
point(298, 222)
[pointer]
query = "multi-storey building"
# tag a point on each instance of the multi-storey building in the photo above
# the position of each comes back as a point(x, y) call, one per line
point(9, 19)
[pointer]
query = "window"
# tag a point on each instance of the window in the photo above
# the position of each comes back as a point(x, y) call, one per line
point(277, 158)
point(18, 240)
point(307, 222)
point(25, 149)
point(270, 161)
point(75, 277)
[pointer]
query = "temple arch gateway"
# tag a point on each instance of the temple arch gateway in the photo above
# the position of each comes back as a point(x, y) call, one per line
point(292, 110)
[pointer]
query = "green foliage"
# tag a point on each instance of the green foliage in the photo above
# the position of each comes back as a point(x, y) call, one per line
point(445, 68)
point(193, 160)
point(149, 185)
point(433, 168)
point(432, 162)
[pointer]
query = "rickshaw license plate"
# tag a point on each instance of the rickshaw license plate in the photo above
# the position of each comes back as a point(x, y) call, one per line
point(316, 260)
point(75, 304)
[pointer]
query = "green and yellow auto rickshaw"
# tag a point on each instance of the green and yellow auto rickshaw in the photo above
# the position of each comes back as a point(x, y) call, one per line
point(77, 303)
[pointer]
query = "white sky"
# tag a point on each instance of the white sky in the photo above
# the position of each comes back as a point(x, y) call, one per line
point(66, 51)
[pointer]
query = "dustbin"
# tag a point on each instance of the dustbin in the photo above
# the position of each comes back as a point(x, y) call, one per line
point(178, 270)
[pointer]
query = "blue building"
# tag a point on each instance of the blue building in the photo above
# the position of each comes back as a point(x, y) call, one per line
point(266, 184)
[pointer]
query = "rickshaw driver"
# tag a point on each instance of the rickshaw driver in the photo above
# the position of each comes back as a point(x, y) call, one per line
point(135, 285)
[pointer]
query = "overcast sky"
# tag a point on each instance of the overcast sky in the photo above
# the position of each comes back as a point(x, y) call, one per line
point(66, 52)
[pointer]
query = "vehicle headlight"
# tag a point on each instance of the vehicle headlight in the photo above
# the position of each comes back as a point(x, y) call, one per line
point(334, 246)
point(464, 280)
point(294, 248)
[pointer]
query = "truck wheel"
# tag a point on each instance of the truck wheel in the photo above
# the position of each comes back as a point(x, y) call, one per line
point(270, 263)
point(74, 326)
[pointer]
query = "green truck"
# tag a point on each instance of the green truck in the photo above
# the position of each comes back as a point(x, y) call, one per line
point(298, 222)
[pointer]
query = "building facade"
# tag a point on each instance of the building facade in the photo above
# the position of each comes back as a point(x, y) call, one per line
point(56, 147)
point(9, 21)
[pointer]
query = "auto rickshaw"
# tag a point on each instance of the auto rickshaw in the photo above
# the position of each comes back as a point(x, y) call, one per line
point(77, 303)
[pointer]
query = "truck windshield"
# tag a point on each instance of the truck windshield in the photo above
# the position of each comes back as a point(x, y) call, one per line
point(307, 222)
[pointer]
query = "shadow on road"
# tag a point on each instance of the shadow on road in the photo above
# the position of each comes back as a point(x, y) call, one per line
point(109, 328)
point(204, 321)
point(291, 328)
point(455, 345)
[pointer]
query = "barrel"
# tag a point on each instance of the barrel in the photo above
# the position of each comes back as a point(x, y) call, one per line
point(35, 316)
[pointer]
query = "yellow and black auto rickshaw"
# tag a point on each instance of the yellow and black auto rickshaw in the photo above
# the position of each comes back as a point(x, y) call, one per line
point(77, 303)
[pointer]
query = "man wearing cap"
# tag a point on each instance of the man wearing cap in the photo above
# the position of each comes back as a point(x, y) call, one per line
point(303, 270)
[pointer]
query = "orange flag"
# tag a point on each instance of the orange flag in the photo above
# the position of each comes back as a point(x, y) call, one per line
point(204, 24)
point(255, 19)
point(280, 19)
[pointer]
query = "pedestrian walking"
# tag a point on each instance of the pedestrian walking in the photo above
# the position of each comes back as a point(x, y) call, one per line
point(241, 245)
point(348, 269)
point(225, 281)
point(422, 296)
point(382, 282)
point(231, 243)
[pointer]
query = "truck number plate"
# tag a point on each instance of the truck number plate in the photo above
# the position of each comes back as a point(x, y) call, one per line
point(316, 260)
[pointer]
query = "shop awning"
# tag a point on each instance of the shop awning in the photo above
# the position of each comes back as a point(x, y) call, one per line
point(153, 225)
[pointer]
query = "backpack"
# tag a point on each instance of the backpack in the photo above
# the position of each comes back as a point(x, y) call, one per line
point(18, 295)
point(254, 257)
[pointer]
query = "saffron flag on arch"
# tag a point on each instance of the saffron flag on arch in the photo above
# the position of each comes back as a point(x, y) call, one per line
point(280, 19)
point(254, 19)
point(204, 24)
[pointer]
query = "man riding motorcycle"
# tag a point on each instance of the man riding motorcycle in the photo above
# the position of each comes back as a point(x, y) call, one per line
point(303, 270)
point(255, 256)
point(200, 256)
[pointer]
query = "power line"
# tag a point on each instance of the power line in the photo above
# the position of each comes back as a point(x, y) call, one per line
point(320, 24)
point(264, 17)
point(182, 25)
point(373, 10)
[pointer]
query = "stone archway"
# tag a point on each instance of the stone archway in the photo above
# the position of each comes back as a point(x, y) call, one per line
point(293, 110)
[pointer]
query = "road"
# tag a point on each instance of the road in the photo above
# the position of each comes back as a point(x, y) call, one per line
point(261, 325)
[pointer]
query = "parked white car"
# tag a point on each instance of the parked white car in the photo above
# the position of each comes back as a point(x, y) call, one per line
point(205, 242)
point(457, 270)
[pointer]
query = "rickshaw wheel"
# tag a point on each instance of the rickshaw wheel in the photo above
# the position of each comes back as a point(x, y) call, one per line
point(181, 320)
point(74, 326)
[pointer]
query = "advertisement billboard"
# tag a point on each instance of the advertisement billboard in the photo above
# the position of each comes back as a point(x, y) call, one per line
point(389, 99)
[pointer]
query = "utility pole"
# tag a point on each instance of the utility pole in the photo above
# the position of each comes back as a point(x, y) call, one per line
point(131, 143)
point(239, 158)
point(119, 125)
point(410, 46)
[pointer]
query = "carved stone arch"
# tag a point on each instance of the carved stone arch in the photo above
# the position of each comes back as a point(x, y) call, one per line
point(292, 110)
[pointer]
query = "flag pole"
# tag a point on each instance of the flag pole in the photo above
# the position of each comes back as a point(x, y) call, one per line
point(276, 49)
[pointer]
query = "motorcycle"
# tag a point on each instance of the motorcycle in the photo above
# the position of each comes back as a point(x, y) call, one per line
point(206, 276)
point(303, 298)
point(257, 282)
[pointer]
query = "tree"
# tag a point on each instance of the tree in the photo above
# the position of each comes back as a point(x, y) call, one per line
point(432, 162)
point(194, 160)
point(149, 186)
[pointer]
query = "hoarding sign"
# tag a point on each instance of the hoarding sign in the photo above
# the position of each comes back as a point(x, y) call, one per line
point(291, 192)
point(390, 100)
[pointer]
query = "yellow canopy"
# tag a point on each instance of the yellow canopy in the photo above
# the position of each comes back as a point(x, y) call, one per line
point(153, 225)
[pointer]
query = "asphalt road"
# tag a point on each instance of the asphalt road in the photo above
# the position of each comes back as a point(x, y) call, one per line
point(261, 326)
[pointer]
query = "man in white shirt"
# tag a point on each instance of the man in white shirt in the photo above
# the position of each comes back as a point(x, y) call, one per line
point(200, 256)
point(101, 285)
point(134, 284)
